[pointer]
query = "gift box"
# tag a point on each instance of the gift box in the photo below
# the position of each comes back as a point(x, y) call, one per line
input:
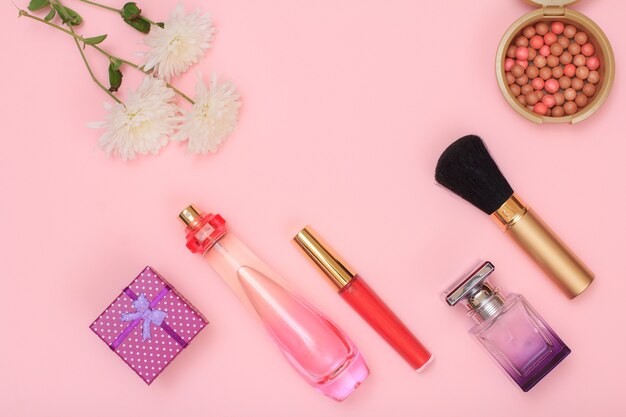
point(148, 324)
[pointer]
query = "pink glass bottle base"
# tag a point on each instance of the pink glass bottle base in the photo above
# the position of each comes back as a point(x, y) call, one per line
point(314, 346)
point(347, 380)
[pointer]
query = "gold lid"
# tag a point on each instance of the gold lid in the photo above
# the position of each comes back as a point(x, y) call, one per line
point(552, 2)
point(334, 267)
point(190, 216)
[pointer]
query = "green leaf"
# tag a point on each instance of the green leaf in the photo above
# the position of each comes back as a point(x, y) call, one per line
point(130, 11)
point(94, 40)
point(68, 16)
point(116, 63)
point(160, 24)
point(35, 5)
point(115, 77)
point(50, 15)
point(141, 24)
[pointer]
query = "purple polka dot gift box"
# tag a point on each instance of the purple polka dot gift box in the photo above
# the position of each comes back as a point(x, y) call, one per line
point(148, 324)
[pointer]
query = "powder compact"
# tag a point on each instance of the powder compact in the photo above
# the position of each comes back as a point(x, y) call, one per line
point(555, 65)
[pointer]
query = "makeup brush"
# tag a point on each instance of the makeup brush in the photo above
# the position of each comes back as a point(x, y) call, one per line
point(467, 169)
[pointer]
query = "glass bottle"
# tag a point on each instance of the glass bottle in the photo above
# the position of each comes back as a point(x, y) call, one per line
point(511, 331)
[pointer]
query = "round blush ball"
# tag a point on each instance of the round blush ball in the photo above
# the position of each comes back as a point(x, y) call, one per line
point(532, 99)
point(557, 72)
point(549, 38)
point(521, 41)
point(521, 53)
point(557, 27)
point(508, 64)
point(569, 70)
point(510, 51)
point(574, 48)
point(593, 63)
point(532, 53)
point(566, 58)
point(522, 99)
point(540, 108)
point(589, 89)
point(522, 63)
point(544, 51)
point(587, 49)
point(522, 80)
point(515, 90)
point(569, 31)
point(545, 73)
point(517, 70)
point(552, 61)
point(581, 100)
point(555, 49)
point(579, 60)
point(532, 72)
point(551, 86)
point(563, 41)
point(541, 28)
point(529, 31)
point(565, 82)
point(540, 61)
point(559, 98)
point(510, 79)
point(549, 101)
point(582, 72)
point(577, 84)
point(594, 77)
point(569, 94)
point(537, 83)
point(580, 38)
point(527, 89)
point(536, 42)
point(557, 111)
point(570, 107)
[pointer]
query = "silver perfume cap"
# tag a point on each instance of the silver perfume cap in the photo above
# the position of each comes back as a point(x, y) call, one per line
point(479, 295)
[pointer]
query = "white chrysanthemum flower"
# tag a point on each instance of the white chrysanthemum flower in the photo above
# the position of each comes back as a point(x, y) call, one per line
point(178, 45)
point(212, 118)
point(143, 124)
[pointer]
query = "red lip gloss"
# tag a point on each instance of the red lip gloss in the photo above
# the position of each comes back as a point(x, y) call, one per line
point(354, 290)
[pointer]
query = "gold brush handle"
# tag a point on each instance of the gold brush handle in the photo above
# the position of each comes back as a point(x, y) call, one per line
point(544, 246)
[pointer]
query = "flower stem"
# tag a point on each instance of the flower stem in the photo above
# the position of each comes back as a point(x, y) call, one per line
point(140, 68)
point(103, 6)
point(113, 9)
point(84, 58)
point(93, 77)
point(78, 38)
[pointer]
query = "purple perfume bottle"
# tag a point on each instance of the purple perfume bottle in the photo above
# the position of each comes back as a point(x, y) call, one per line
point(509, 328)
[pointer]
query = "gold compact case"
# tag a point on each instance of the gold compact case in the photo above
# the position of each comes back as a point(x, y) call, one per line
point(550, 11)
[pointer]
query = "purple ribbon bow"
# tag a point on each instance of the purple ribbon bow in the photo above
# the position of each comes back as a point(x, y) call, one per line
point(145, 313)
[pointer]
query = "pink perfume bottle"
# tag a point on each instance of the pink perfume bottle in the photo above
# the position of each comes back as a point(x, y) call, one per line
point(314, 346)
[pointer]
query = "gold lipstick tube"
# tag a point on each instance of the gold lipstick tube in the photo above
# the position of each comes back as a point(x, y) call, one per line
point(544, 246)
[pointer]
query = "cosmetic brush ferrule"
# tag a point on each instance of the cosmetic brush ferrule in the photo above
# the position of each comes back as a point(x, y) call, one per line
point(510, 212)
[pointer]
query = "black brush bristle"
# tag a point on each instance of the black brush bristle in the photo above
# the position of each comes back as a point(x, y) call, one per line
point(467, 169)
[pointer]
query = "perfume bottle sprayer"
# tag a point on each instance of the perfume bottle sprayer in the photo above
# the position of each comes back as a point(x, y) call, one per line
point(319, 351)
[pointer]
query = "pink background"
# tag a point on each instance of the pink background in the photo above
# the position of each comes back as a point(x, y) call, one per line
point(347, 105)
